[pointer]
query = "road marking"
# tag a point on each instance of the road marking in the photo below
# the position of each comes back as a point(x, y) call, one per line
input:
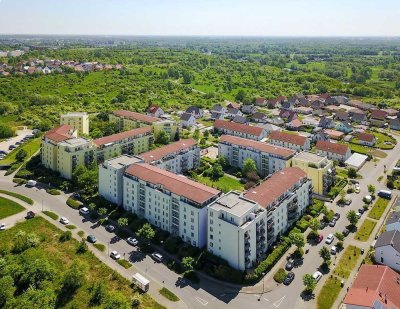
point(279, 302)
point(266, 299)
point(202, 301)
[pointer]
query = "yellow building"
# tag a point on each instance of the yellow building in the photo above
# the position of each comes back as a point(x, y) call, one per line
point(128, 120)
point(80, 121)
point(318, 168)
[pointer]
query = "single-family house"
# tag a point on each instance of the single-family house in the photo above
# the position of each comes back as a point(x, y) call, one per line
point(288, 140)
point(359, 116)
point(294, 125)
point(233, 105)
point(310, 121)
point(261, 101)
point(391, 112)
point(155, 111)
point(324, 96)
point(333, 134)
point(366, 139)
point(287, 115)
point(240, 119)
point(331, 101)
point(394, 124)
point(344, 126)
point(378, 118)
point(188, 120)
point(303, 110)
point(196, 111)
point(387, 250)
point(218, 112)
point(248, 109)
point(259, 117)
point(320, 136)
point(326, 123)
point(233, 112)
point(361, 105)
point(319, 112)
point(288, 105)
point(317, 104)
point(342, 116)
point(273, 103)
point(334, 151)
point(268, 128)
point(393, 222)
point(304, 102)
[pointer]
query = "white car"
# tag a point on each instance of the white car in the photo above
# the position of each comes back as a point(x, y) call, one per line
point(31, 183)
point(2, 227)
point(64, 220)
point(132, 241)
point(329, 239)
point(115, 255)
point(317, 276)
point(84, 211)
point(157, 256)
point(333, 250)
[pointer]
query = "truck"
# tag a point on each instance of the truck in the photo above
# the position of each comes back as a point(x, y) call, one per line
point(385, 194)
point(141, 282)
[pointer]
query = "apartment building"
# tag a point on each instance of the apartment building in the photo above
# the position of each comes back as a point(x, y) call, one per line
point(128, 120)
point(171, 202)
point(334, 151)
point(49, 150)
point(291, 141)
point(111, 174)
point(268, 158)
point(177, 157)
point(285, 195)
point(134, 141)
point(319, 169)
point(80, 121)
point(240, 130)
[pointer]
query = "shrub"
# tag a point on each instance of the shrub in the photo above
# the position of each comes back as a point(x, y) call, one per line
point(124, 263)
point(73, 203)
point(53, 191)
point(100, 247)
point(65, 236)
point(280, 275)
point(171, 245)
point(19, 181)
point(82, 247)
point(18, 196)
point(51, 214)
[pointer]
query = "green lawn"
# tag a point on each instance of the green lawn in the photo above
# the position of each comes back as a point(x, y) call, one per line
point(9, 208)
point(169, 295)
point(30, 147)
point(379, 208)
point(51, 214)
point(347, 262)
point(225, 183)
point(329, 293)
point(18, 196)
point(382, 138)
point(365, 230)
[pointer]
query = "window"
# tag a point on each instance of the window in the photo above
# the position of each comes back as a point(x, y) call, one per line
point(211, 236)
point(211, 244)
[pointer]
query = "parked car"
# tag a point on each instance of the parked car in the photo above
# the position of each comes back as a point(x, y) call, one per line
point(319, 238)
point(2, 226)
point(115, 255)
point(336, 216)
point(84, 211)
point(110, 228)
point(317, 276)
point(368, 199)
point(345, 232)
point(91, 238)
point(289, 264)
point(347, 202)
point(11, 147)
point(361, 210)
point(332, 223)
point(289, 278)
point(31, 183)
point(30, 215)
point(157, 256)
point(64, 220)
point(132, 241)
point(359, 215)
point(323, 224)
point(329, 239)
point(333, 250)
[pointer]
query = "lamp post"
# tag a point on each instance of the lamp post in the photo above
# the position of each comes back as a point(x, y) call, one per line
point(108, 248)
point(263, 281)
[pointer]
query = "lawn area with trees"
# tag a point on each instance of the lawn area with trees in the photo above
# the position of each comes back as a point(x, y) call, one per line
point(365, 230)
point(378, 209)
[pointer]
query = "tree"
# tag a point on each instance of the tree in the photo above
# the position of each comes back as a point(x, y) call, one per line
point(122, 222)
point(188, 262)
point(6, 131)
point(117, 300)
point(339, 245)
point(162, 138)
point(223, 161)
point(73, 278)
point(7, 290)
point(352, 173)
point(240, 96)
point(82, 247)
point(206, 134)
point(216, 172)
point(249, 166)
point(309, 283)
point(339, 236)
point(102, 211)
point(98, 293)
point(187, 77)
point(21, 155)
point(146, 232)
point(325, 254)
point(196, 134)
point(314, 224)
point(24, 241)
point(36, 272)
point(352, 217)
point(92, 206)
point(296, 238)
point(37, 299)
point(371, 189)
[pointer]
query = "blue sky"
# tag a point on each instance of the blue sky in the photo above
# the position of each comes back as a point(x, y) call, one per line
point(202, 17)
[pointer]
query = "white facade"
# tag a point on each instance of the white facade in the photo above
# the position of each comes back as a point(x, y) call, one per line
point(80, 121)
point(334, 156)
point(111, 174)
point(294, 146)
point(388, 256)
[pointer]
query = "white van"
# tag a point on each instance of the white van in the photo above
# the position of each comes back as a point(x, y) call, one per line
point(141, 282)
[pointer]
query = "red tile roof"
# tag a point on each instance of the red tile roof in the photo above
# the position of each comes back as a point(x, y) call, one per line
point(264, 147)
point(366, 137)
point(378, 114)
point(276, 185)
point(233, 126)
point(177, 184)
point(161, 152)
point(60, 133)
point(288, 138)
point(375, 283)
point(332, 147)
point(334, 133)
point(120, 136)
point(152, 109)
point(136, 116)
point(260, 100)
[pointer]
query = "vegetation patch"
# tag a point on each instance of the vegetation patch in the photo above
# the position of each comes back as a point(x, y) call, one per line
point(18, 196)
point(9, 208)
point(169, 295)
point(347, 262)
point(53, 191)
point(329, 293)
point(51, 214)
point(379, 208)
point(280, 275)
point(100, 247)
point(19, 181)
point(365, 230)
point(224, 183)
point(81, 233)
point(73, 203)
point(124, 263)
point(70, 226)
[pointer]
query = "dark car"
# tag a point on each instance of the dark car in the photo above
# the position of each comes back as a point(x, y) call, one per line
point(289, 278)
point(361, 210)
point(110, 228)
point(336, 216)
point(323, 224)
point(91, 238)
point(332, 223)
point(345, 232)
point(290, 264)
point(30, 215)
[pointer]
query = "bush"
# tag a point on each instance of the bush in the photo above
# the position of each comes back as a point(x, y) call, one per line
point(73, 203)
point(19, 181)
point(174, 266)
point(171, 245)
point(65, 236)
point(100, 247)
point(53, 191)
point(82, 247)
point(225, 273)
point(124, 263)
point(51, 214)
point(280, 275)
point(302, 225)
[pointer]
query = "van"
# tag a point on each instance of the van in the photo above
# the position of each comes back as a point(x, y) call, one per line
point(385, 194)
point(140, 281)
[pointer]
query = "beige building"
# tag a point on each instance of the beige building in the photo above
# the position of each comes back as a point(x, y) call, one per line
point(318, 168)
point(80, 121)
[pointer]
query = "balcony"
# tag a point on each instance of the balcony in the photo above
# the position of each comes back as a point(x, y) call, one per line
point(246, 252)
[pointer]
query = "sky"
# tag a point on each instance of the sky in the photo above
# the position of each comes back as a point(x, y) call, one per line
point(202, 17)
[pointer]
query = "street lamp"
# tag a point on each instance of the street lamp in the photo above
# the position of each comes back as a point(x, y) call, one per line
point(108, 248)
point(263, 281)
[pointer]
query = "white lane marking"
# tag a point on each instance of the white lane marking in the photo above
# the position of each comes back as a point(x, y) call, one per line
point(279, 302)
point(202, 301)
point(266, 299)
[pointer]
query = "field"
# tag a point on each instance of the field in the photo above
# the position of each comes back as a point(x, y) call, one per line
point(57, 259)
point(379, 208)
point(365, 230)
point(9, 208)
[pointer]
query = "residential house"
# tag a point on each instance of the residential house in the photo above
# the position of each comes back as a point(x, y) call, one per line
point(188, 120)
point(319, 112)
point(240, 119)
point(391, 112)
point(387, 249)
point(361, 105)
point(394, 124)
point(155, 111)
point(289, 104)
point(342, 115)
point(334, 151)
point(233, 112)
point(287, 115)
point(276, 121)
point(248, 109)
point(294, 125)
point(240, 130)
point(303, 110)
point(259, 117)
point(331, 101)
point(261, 101)
point(233, 105)
point(269, 127)
point(393, 222)
point(288, 140)
point(341, 100)
point(317, 104)
point(344, 126)
point(374, 286)
point(326, 123)
point(366, 139)
point(333, 134)
point(273, 103)
point(79, 121)
point(359, 116)
point(310, 121)
point(197, 112)
point(324, 96)
point(320, 136)
point(218, 112)
point(378, 118)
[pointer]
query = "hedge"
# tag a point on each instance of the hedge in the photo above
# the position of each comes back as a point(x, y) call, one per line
point(51, 214)
point(280, 275)
point(73, 203)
